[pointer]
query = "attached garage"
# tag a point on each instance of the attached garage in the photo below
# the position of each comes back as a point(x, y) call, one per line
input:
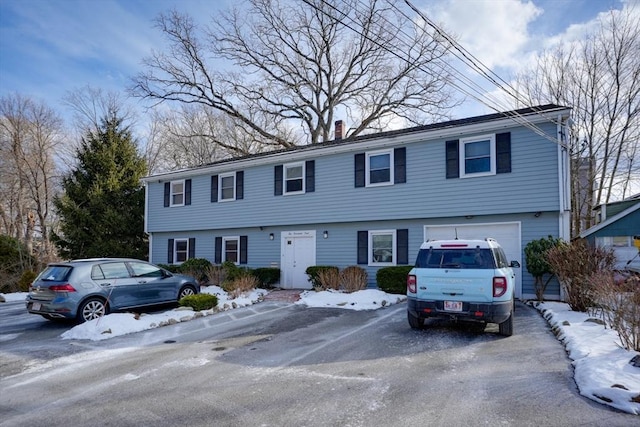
point(508, 234)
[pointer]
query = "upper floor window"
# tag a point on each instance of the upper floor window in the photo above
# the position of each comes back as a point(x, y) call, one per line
point(177, 193)
point(382, 167)
point(379, 168)
point(478, 156)
point(294, 178)
point(228, 187)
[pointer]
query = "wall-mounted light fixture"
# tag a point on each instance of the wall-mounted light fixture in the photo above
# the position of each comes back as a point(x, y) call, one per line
point(325, 234)
point(537, 214)
point(271, 236)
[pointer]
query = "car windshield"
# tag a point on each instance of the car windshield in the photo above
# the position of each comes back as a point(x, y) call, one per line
point(455, 258)
point(55, 273)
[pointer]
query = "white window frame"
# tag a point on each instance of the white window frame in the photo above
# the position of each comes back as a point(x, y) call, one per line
point(368, 167)
point(174, 193)
point(220, 177)
point(394, 245)
point(175, 250)
point(492, 153)
point(284, 177)
point(224, 248)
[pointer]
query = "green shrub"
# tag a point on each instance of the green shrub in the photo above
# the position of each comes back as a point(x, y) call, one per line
point(313, 271)
point(393, 279)
point(537, 265)
point(268, 276)
point(26, 280)
point(196, 267)
point(170, 267)
point(199, 301)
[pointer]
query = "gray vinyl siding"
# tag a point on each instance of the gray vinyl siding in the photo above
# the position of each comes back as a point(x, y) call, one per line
point(531, 186)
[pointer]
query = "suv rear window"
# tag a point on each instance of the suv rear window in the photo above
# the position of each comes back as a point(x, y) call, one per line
point(455, 258)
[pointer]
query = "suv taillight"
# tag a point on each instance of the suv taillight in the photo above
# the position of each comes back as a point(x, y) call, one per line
point(499, 286)
point(62, 288)
point(411, 284)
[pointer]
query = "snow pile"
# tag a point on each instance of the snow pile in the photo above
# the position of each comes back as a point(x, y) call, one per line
point(368, 299)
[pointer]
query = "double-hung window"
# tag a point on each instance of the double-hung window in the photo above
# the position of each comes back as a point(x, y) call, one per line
point(180, 250)
point(177, 193)
point(231, 249)
point(227, 187)
point(478, 156)
point(294, 178)
point(379, 168)
point(382, 244)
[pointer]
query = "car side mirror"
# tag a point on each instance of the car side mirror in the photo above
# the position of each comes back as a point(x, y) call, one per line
point(166, 274)
point(514, 264)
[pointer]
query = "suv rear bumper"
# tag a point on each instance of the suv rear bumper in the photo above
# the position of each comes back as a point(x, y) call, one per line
point(496, 312)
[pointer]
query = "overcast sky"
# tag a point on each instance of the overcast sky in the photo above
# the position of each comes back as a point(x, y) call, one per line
point(50, 47)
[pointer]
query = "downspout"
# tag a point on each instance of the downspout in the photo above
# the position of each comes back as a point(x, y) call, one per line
point(146, 219)
point(564, 186)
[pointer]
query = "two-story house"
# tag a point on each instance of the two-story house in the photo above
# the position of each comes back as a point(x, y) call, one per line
point(371, 200)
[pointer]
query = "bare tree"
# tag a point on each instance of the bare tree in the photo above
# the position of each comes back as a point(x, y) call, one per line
point(282, 70)
point(30, 134)
point(599, 77)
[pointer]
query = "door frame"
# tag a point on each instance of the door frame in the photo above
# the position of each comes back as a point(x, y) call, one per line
point(284, 235)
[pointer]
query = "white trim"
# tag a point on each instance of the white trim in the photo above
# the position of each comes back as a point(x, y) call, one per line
point(171, 192)
point(492, 155)
point(175, 250)
point(303, 167)
point(226, 239)
point(220, 178)
point(377, 143)
point(368, 156)
point(394, 248)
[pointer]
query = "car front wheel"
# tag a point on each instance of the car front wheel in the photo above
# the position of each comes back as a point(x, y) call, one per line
point(92, 308)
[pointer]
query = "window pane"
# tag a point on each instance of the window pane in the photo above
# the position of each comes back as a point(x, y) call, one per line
point(477, 157)
point(115, 270)
point(141, 269)
point(231, 250)
point(294, 172)
point(620, 241)
point(227, 186)
point(181, 250)
point(379, 168)
point(294, 185)
point(382, 246)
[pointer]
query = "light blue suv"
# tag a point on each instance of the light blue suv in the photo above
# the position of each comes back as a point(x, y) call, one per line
point(466, 280)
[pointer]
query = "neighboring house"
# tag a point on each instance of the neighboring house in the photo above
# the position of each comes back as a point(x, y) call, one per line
point(371, 200)
point(616, 225)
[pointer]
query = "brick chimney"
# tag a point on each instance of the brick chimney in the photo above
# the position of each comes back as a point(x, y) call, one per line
point(338, 132)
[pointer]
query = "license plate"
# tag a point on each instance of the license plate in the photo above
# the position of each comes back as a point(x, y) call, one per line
point(453, 306)
point(36, 306)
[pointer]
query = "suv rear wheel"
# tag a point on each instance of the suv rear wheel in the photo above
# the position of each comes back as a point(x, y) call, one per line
point(506, 328)
point(415, 322)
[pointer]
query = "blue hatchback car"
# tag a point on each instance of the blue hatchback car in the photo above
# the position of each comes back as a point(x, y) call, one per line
point(90, 288)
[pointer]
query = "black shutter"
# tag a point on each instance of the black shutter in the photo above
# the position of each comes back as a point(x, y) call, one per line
point(167, 194)
point(187, 191)
point(453, 159)
point(243, 249)
point(277, 180)
point(363, 247)
point(402, 247)
point(214, 188)
point(218, 251)
point(239, 185)
point(503, 152)
point(192, 247)
point(310, 176)
point(400, 165)
point(170, 252)
point(360, 170)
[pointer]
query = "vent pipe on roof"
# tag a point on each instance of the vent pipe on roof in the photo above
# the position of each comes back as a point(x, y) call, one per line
point(338, 131)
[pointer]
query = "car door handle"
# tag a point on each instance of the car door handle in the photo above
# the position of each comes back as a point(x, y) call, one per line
point(142, 281)
point(105, 285)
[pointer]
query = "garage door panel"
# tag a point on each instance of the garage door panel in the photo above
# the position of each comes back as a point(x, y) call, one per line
point(506, 233)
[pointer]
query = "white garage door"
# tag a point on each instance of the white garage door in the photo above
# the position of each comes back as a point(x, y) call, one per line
point(506, 233)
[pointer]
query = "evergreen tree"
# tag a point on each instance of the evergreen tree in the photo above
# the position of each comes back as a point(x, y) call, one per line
point(102, 207)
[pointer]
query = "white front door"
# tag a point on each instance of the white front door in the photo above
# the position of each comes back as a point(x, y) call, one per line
point(506, 233)
point(298, 253)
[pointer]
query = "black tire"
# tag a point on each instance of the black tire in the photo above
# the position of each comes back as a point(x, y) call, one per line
point(186, 291)
point(506, 328)
point(415, 322)
point(91, 309)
